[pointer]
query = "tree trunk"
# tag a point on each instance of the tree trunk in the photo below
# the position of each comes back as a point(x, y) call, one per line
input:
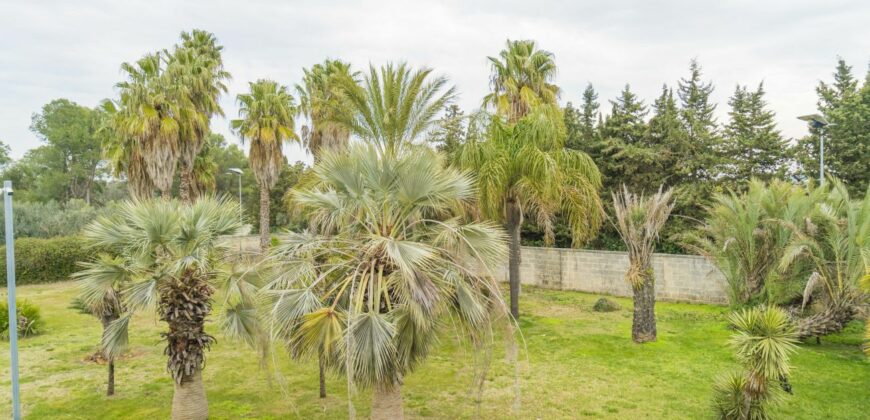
point(106, 320)
point(264, 218)
point(110, 388)
point(514, 221)
point(643, 328)
point(387, 402)
point(320, 362)
point(189, 401)
point(184, 186)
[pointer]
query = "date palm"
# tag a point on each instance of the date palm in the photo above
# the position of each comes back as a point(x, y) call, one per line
point(639, 220)
point(266, 121)
point(522, 171)
point(522, 79)
point(323, 101)
point(392, 259)
point(170, 258)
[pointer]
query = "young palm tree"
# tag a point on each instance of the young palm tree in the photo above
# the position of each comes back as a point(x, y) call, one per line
point(392, 259)
point(323, 101)
point(524, 170)
point(764, 340)
point(522, 77)
point(266, 119)
point(394, 105)
point(639, 220)
point(172, 255)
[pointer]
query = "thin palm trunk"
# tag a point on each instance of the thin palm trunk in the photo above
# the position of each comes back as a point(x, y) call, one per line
point(387, 402)
point(264, 218)
point(514, 221)
point(643, 328)
point(110, 383)
point(189, 401)
point(322, 366)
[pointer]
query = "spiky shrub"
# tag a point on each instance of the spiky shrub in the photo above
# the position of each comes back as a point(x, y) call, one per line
point(639, 220)
point(392, 257)
point(29, 320)
point(764, 340)
point(175, 258)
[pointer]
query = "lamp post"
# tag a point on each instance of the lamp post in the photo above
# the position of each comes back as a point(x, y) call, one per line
point(819, 122)
point(10, 291)
point(238, 172)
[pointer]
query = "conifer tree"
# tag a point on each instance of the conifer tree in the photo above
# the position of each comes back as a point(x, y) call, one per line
point(752, 144)
point(625, 157)
point(589, 112)
point(696, 112)
point(449, 131)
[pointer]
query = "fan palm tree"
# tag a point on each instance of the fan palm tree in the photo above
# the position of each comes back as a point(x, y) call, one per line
point(522, 77)
point(391, 259)
point(122, 150)
point(524, 170)
point(170, 256)
point(322, 100)
point(764, 340)
point(836, 244)
point(639, 220)
point(266, 119)
point(394, 105)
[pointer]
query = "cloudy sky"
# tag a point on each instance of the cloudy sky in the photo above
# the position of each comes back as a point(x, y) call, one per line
point(54, 49)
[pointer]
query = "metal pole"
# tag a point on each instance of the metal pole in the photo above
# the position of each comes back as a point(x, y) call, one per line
point(10, 290)
point(240, 213)
point(822, 156)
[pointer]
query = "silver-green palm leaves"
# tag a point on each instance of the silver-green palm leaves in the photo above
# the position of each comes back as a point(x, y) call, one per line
point(523, 170)
point(323, 101)
point(394, 105)
point(392, 258)
point(639, 220)
point(172, 259)
point(266, 120)
point(522, 79)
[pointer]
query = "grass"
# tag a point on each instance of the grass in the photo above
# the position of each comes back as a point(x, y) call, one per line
point(579, 363)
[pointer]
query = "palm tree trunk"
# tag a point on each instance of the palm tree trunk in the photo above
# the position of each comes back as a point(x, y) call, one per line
point(514, 221)
point(387, 402)
point(110, 388)
point(184, 186)
point(320, 362)
point(189, 401)
point(264, 218)
point(643, 328)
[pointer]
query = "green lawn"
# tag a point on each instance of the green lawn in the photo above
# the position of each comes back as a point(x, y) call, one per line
point(579, 363)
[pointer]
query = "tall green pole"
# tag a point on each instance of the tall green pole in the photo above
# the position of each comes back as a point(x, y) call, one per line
point(10, 291)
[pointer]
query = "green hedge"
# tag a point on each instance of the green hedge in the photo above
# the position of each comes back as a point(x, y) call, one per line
point(46, 260)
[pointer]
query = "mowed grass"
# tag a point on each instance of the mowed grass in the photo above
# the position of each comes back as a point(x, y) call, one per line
point(575, 363)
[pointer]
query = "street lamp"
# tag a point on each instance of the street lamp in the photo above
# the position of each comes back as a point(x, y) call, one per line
point(819, 122)
point(238, 172)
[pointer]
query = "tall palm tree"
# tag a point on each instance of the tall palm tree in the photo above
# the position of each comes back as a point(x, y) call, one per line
point(323, 101)
point(177, 260)
point(392, 259)
point(266, 119)
point(639, 220)
point(523, 170)
point(521, 79)
point(122, 150)
point(394, 105)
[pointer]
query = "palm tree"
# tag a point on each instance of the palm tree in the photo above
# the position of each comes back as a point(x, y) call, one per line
point(175, 256)
point(392, 258)
point(122, 150)
point(764, 340)
point(523, 170)
point(394, 105)
point(639, 220)
point(835, 242)
point(323, 101)
point(522, 77)
point(266, 119)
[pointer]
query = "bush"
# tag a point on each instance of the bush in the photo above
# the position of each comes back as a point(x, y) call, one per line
point(606, 305)
point(50, 219)
point(46, 260)
point(29, 319)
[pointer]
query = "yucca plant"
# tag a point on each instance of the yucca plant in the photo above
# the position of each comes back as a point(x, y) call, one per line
point(764, 340)
point(171, 260)
point(639, 220)
point(390, 258)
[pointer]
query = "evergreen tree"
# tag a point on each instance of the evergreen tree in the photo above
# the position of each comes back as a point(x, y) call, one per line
point(625, 159)
point(667, 136)
point(752, 144)
point(583, 124)
point(574, 138)
point(699, 157)
point(449, 131)
point(590, 114)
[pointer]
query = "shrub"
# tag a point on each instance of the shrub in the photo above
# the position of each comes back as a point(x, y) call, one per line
point(29, 320)
point(46, 260)
point(605, 305)
point(50, 219)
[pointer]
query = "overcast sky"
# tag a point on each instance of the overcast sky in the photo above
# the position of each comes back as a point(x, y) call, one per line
point(65, 49)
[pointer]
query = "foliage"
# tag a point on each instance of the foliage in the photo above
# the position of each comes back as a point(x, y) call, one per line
point(521, 79)
point(29, 319)
point(605, 305)
point(323, 100)
point(50, 219)
point(639, 220)
point(764, 340)
point(39, 260)
point(450, 132)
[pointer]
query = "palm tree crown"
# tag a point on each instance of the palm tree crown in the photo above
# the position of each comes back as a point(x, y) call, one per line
point(323, 101)
point(522, 77)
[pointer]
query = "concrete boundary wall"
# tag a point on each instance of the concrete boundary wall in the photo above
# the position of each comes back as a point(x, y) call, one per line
point(679, 278)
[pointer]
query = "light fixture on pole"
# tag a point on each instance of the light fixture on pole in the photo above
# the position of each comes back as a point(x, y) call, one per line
point(239, 172)
point(819, 122)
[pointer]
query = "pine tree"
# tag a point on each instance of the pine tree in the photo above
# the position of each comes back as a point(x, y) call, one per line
point(666, 135)
point(752, 144)
point(697, 113)
point(625, 157)
point(574, 138)
point(590, 115)
point(449, 131)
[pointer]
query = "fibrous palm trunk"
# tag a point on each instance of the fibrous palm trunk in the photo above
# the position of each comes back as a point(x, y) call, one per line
point(184, 187)
point(831, 320)
point(387, 402)
point(643, 327)
point(264, 218)
point(189, 401)
point(514, 221)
